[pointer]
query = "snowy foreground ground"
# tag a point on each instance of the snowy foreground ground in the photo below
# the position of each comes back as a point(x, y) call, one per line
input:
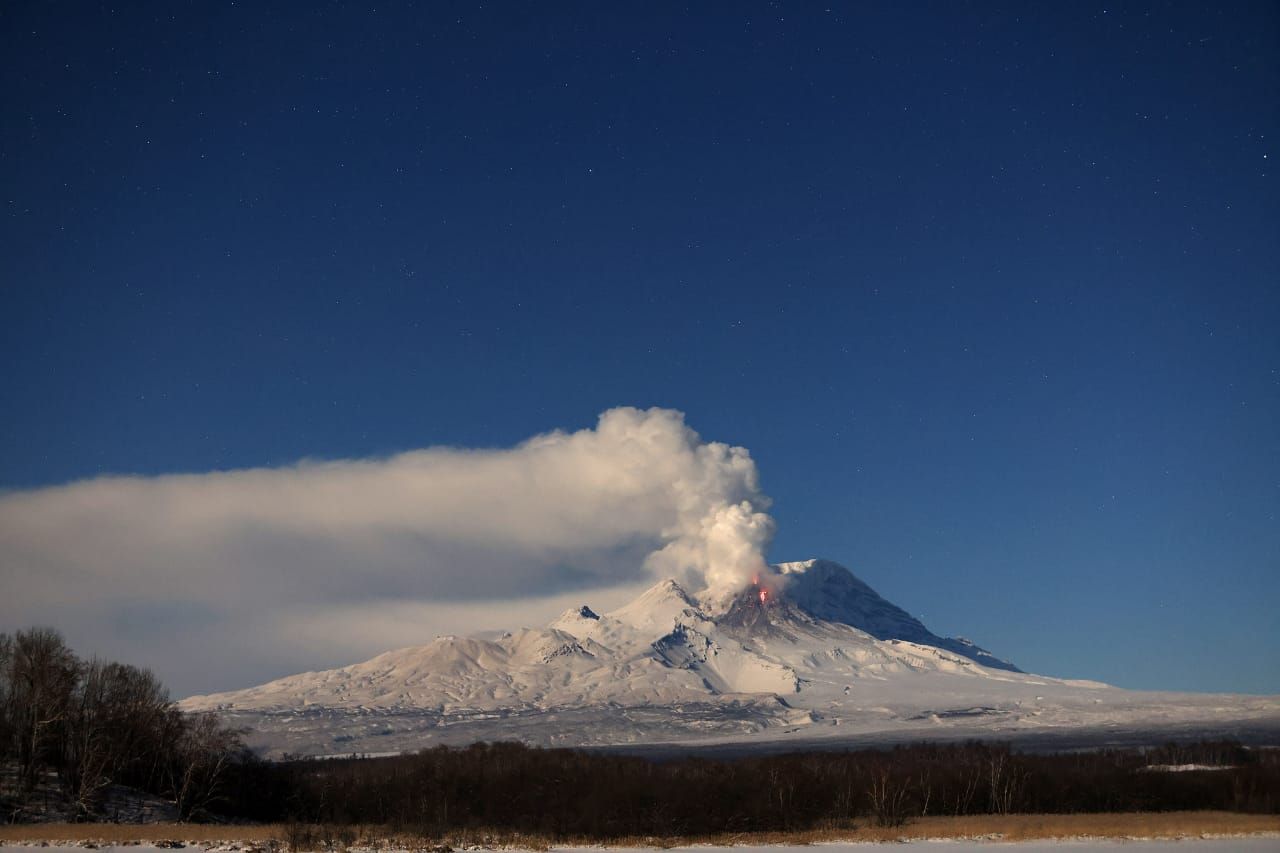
point(1253, 844)
point(1219, 845)
point(1207, 845)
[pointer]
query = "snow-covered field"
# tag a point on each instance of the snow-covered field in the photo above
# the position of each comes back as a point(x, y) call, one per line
point(1254, 844)
point(818, 659)
point(1218, 845)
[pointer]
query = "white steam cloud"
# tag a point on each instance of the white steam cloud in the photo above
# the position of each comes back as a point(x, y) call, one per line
point(243, 574)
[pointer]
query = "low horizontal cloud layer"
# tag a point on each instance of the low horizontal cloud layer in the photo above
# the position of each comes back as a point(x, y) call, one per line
point(198, 566)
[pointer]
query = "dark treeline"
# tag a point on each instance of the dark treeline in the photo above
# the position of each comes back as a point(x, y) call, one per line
point(562, 793)
point(86, 725)
point(80, 727)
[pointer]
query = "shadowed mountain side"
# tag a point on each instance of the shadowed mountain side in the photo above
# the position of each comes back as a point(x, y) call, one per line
point(829, 591)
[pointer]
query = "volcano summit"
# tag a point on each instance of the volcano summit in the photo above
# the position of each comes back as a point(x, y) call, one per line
point(807, 653)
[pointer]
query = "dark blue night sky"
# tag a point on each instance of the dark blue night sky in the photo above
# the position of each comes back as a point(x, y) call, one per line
point(989, 292)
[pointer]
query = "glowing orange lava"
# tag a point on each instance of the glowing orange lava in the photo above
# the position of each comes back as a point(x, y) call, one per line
point(764, 596)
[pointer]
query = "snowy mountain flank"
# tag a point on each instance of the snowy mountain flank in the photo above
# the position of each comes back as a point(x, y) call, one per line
point(810, 653)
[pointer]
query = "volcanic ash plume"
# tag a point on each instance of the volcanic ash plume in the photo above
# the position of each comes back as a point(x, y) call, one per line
point(639, 491)
point(718, 542)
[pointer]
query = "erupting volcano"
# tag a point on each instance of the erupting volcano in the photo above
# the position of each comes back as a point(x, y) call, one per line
point(812, 653)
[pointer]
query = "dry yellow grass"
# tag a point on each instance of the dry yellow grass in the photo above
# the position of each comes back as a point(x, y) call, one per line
point(119, 833)
point(995, 827)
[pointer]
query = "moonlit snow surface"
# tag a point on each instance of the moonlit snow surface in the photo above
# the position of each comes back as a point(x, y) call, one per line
point(1245, 845)
point(1254, 844)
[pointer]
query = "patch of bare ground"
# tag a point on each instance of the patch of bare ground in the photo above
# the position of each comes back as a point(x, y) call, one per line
point(1163, 825)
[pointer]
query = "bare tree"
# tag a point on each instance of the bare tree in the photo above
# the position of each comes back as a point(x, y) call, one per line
point(968, 788)
point(87, 754)
point(926, 789)
point(202, 758)
point(888, 796)
point(142, 722)
point(6, 698)
point(1005, 779)
point(42, 677)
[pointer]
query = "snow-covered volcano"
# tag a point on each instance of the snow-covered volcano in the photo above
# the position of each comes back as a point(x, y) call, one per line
point(810, 652)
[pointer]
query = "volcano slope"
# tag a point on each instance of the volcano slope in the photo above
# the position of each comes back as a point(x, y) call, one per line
point(810, 656)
